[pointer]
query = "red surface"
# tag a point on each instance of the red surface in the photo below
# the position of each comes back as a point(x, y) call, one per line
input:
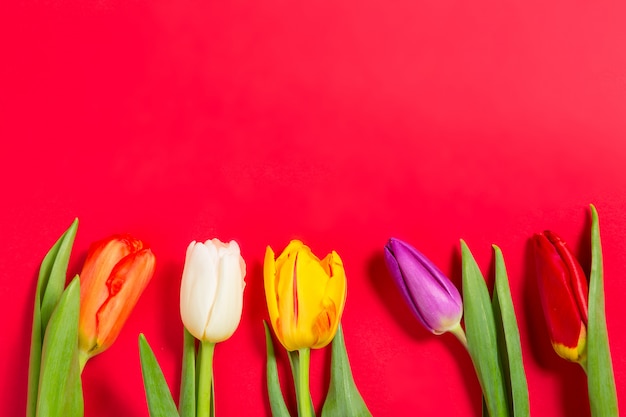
point(341, 123)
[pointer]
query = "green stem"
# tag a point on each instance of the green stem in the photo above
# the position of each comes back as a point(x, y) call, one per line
point(83, 357)
point(583, 364)
point(460, 334)
point(304, 402)
point(205, 379)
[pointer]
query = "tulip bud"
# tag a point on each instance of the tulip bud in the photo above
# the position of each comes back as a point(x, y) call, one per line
point(115, 273)
point(563, 292)
point(432, 297)
point(305, 296)
point(211, 290)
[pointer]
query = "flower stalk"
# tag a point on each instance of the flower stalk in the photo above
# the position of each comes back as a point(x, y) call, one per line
point(205, 379)
point(304, 395)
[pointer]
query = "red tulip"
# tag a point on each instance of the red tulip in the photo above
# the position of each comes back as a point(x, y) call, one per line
point(115, 273)
point(563, 291)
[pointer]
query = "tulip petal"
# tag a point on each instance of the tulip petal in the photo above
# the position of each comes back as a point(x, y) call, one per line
point(442, 280)
point(198, 287)
point(577, 281)
point(287, 290)
point(305, 296)
point(333, 301)
point(127, 281)
point(226, 311)
point(312, 281)
point(432, 297)
point(563, 317)
point(101, 259)
point(269, 281)
point(398, 278)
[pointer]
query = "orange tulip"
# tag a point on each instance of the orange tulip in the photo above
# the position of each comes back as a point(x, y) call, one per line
point(115, 273)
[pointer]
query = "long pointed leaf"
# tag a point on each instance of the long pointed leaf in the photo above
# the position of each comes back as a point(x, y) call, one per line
point(509, 347)
point(57, 274)
point(158, 395)
point(187, 401)
point(275, 394)
point(343, 398)
point(601, 382)
point(56, 259)
point(59, 380)
point(481, 335)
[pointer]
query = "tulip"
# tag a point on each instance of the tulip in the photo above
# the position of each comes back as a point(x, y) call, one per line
point(115, 273)
point(211, 301)
point(211, 291)
point(563, 292)
point(305, 299)
point(305, 296)
point(431, 296)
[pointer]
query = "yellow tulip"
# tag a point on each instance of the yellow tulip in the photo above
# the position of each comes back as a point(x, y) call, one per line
point(305, 296)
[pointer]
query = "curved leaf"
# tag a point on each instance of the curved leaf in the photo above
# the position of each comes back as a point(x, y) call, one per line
point(482, 341)
point(187, 400)
point(49, 287)
point(343, 398)
point(277, 401)
point(601, 382)
point(60, 392)
point(158, 395)
point(509, 343)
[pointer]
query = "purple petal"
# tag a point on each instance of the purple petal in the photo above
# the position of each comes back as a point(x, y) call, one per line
point(435, 301)
point(396, 274)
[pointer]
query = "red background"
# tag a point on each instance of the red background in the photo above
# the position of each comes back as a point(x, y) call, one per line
point(341, 123)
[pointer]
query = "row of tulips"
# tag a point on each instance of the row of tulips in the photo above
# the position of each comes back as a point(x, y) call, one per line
point(305, 298)
point(573, 306)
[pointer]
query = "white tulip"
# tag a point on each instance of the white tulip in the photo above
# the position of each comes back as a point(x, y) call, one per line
point(211, 291)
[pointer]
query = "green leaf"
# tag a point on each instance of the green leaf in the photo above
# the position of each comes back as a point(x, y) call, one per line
point(508, 340)
point(158, 395)
point(277, 401)
point(49, 286)
point(187, 400)
point(343, 398)
point(60, 393)
point(57, 273)
point(480, 329)
point(601, 382)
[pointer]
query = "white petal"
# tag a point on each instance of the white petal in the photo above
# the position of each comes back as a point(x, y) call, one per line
point(184, 292)
point(198, 288)
point(226, 312)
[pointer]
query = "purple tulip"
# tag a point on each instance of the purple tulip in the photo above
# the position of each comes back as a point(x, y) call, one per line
point(432, 297)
